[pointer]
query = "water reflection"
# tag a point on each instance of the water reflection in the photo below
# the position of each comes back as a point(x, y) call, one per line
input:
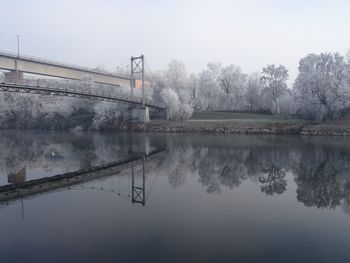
point(323, 177)
point(320, 168)
point(17, 178)
point(84, 179)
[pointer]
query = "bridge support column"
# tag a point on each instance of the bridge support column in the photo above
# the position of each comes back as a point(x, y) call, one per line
point(140, 115)
point(14, 77)
point(167, 114)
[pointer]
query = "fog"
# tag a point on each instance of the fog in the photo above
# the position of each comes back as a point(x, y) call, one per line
point(250, 33)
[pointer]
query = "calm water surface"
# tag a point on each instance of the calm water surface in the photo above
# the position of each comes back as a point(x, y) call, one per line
point(202, 198)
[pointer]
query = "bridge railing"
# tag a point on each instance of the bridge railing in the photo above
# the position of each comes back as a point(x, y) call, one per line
point(72, 85)
point(49, 90)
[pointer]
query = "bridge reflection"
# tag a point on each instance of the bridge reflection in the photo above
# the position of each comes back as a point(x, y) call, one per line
point(138, 191)
point(76, 180)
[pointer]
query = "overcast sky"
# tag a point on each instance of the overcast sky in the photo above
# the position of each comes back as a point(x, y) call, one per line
point(247, 33)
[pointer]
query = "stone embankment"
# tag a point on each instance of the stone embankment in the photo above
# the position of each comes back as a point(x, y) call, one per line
point(298, 128)
point(228, 129)
point(325, 130)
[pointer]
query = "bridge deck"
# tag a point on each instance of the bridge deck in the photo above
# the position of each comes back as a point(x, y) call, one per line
point(19, 88)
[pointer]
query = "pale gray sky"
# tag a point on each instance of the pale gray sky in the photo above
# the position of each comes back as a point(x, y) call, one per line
point(247, 33)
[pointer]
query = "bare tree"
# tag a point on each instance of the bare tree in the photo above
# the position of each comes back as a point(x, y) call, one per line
point(210, 92)
point(233, 84)
point(253, 92)
point(275, 83)
point(193, 88)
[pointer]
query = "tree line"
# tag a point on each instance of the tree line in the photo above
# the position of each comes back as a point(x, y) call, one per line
point(321, 90)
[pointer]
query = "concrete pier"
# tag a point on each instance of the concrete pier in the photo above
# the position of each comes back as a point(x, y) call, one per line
point(139, 115)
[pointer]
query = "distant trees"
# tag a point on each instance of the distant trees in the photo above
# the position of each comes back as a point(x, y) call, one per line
point(321, 90)
point(220, 87)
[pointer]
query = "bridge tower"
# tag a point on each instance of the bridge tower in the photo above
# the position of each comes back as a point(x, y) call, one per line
point(140, 114)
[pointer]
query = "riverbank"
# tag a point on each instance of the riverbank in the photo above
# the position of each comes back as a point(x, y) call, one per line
point(248, 127)
point(244, 123)
point(282, 127)
point(331, 128)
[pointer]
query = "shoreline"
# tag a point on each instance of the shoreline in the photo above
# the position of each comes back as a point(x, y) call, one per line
point(253, 127)
point(282, 128)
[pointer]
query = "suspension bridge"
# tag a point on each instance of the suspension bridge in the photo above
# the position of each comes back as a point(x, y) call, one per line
point(16, 65)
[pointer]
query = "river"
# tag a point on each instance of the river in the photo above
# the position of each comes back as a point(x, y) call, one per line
point(198, 198)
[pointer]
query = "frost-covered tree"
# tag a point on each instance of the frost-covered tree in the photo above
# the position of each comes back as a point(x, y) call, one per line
point(209, 87)
point(193, 89)
point(176, 75)
point(178, 110)
point(321, 86)
point(347, 57)
point(233, 83)
point(275, 83)
point(158, 83)
point(107, 115)
point(253, 92)
point(170, 88)
point(287, 104)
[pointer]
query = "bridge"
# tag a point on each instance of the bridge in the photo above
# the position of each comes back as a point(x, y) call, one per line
point(19, 64)
point(30, 89)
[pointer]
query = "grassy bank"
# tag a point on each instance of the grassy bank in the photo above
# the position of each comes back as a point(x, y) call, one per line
point(227, 115)
point(228, 122)
point(246, 123)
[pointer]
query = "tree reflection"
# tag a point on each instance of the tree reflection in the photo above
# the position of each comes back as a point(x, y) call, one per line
point(208, 175)
point(233, 173)
point(177, 178)
point(273, 180)
point(322, 178)
point(320, 171)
